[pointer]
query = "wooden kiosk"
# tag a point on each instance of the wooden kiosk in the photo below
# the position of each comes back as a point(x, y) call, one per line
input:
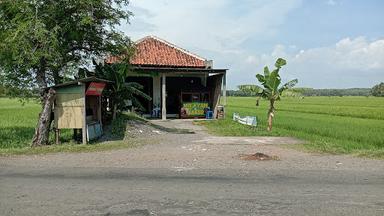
point(78, 106)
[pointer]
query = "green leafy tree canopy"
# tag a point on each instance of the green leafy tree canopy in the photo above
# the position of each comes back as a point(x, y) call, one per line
point(42, 41)
point(378, 90)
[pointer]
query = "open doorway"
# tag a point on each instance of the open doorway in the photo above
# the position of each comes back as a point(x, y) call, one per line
point(175, 86)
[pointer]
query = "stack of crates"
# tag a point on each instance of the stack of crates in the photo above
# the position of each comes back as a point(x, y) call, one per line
point(220, 112)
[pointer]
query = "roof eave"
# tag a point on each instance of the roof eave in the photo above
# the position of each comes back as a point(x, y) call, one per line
point(83, 80)
point(179, 69)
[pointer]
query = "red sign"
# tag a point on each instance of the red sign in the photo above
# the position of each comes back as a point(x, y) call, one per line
point(95, 89)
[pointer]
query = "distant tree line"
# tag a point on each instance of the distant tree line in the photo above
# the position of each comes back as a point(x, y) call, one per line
point(238, 93)
point(377, 90)
point(337, 92)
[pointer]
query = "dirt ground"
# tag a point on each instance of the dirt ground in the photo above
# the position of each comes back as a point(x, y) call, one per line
point(200, 151)
point(192, 174)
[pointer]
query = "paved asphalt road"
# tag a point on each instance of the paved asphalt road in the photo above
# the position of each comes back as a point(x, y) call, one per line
point(119, 191)
point(193, 174)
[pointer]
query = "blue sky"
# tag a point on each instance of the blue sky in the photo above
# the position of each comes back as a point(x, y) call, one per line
point(327, 43)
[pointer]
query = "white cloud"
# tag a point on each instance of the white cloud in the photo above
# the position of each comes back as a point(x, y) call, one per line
point(253, 60)
point(215, 25)
point(220, 30)
point(279, 51)
point(348, 63)
point(347, 54)
point(331, 2)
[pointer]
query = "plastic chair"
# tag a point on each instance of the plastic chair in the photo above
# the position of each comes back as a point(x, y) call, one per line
point(209, 115)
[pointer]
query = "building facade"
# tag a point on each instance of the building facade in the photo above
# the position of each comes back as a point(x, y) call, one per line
point(182, 84)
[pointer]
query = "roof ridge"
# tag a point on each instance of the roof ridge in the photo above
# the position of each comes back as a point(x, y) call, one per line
point(171, 45)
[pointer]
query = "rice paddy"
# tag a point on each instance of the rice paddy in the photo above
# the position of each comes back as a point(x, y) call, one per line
point(341, 125)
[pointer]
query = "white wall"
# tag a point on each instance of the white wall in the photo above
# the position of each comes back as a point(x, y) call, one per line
point(156, 91)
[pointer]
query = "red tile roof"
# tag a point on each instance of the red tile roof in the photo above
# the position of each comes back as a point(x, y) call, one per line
point(153, 51)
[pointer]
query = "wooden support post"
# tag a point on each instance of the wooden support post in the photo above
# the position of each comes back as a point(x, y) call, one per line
point(224, 102)
point(84, 129)
point(218, 79)
point(99, 116)
point(57, 136)
point(163, 98)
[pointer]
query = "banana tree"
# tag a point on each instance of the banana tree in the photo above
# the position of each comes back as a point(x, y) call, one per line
point(121, 90)
point(270, 88)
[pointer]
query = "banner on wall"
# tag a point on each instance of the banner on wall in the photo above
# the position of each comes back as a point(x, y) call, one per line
point(194, 109)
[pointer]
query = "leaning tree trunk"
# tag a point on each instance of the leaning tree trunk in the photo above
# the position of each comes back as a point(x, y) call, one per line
point(270, 115)
point(41, 136)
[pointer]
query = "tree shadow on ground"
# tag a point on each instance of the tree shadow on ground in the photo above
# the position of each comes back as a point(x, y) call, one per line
point(132, 126)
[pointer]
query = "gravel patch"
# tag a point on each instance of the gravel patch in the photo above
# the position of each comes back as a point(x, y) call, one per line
point(140, 129)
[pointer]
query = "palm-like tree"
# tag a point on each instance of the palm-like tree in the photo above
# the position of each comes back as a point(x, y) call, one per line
point(270, 88)
point(121, 90)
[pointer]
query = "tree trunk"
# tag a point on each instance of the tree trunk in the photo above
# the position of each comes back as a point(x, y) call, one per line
point(271, 114)
point(41, 136)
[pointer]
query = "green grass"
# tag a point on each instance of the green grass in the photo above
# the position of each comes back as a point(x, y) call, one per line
point(72, 147)
point(338, 125)
point(17, 123)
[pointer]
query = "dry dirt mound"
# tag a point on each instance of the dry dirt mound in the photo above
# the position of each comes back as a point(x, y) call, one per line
point(257, 156)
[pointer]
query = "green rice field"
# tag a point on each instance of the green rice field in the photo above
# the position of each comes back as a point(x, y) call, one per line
point(337, 125)
point(340, 125)
point(17, 122)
